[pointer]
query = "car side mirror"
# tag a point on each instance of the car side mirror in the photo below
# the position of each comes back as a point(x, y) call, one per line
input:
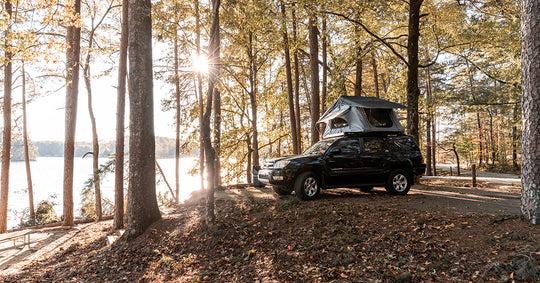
point(335, 151)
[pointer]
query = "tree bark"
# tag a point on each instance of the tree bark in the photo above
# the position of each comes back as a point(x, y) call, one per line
point(95, 140)
point(118, 222)
point(72, 92)
point(26, 150)
point(288, 70)
point(530, 56)
point(413, 92)
point(142, 203)
point(6, 138)
point(314, 64)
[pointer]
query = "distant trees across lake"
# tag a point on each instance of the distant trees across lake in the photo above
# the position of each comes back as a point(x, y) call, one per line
point(164, 149)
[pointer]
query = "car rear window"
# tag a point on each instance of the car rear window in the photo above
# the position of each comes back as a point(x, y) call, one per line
point(405, 143)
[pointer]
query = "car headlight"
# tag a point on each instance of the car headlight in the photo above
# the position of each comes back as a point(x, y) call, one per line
point(281, 163)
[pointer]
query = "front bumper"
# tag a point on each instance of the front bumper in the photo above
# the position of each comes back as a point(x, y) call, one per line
point(275, 177)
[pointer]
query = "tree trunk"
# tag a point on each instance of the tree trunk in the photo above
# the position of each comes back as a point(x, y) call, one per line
point(142, 203)
point(515, 135)
point(200, 93)
point(429, 168)
point(213, 59)
point(95, 142)
point(324, 70)
point(358, 69)
point(6, 138)
point(491, 139)
point(217, 137)
point(249, 177)
point(290, 94)
point(26, 150)
point(434, 142)
point(314, 64)
point(413, 92)
point(375, 72)
point(429, 105)
point(253, 100)
point(280, 126)
point(118, 222)
point(530, 56)
point(177, 137)
point(72, 92)
point(324, 40)
point(296, 83)
point(384, 84)
point(480, 140)
point(457, 159)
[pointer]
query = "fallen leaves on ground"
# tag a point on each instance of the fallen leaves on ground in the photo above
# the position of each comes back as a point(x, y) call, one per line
point(340, 238)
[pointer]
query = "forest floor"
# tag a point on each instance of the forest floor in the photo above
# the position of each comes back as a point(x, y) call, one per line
point(443, 230)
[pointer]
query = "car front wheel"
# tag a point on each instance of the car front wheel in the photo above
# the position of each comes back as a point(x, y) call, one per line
point(398, 183)
point(307, 186)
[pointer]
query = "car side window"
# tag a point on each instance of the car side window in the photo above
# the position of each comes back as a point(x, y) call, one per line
point(348, 146)
point(373, 145)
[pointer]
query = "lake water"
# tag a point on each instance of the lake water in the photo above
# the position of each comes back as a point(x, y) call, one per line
point(48, 175)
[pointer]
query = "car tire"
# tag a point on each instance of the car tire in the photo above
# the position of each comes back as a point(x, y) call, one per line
point(307, 186)
point(366, 189)
point(398, 182)
point(282, 190)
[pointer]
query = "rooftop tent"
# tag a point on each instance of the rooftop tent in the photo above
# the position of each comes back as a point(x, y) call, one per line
point(356, 114)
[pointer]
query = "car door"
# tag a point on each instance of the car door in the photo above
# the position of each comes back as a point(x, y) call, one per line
point(342, 162)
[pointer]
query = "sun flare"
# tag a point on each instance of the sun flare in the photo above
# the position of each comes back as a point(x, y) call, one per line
point(200, 64)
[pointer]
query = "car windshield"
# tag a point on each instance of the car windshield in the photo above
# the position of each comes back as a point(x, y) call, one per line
point(319, 148)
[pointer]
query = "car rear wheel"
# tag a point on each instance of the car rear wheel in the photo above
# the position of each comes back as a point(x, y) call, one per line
point(282, 190)
point(398, 183)
point(307, 186)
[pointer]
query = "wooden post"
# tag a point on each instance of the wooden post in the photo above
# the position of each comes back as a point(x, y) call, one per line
point(473, 168)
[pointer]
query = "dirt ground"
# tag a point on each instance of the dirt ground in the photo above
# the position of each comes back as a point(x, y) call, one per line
point(443, 230)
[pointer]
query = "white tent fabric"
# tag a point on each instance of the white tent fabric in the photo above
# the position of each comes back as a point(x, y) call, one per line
point(354, 114)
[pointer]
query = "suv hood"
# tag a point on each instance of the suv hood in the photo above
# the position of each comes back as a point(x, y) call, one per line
point(270, 162)
point(300, 158)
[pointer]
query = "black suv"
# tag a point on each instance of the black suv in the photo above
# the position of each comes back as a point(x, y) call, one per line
point(360, 161)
